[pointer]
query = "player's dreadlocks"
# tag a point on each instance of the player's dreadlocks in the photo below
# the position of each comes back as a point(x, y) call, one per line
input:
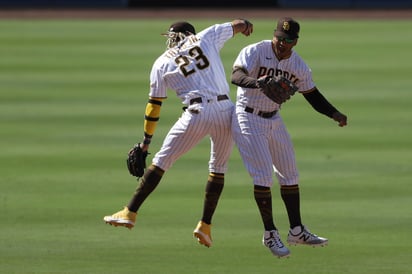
point(173, 38)
point(178, 32)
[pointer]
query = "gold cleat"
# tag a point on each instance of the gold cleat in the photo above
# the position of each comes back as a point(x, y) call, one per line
point(124, 218)
point(203, 234)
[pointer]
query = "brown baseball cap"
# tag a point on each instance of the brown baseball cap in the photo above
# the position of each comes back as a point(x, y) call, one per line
point(183, 27)
point(287, 28)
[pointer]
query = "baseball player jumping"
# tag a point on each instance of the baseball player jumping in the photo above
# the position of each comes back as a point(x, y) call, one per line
point(261, 136)
point(191, 66)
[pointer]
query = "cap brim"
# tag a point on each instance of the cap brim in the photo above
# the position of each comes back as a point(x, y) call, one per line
point(285, 35)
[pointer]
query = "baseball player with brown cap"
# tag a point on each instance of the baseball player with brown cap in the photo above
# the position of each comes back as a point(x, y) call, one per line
point(261, 136)
point(191, 66)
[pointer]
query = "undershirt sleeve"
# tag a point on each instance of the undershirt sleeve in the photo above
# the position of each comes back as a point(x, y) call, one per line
point(319, 103)
point(241, 78)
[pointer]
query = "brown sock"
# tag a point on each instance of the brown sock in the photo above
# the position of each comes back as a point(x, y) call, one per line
point(148, 183)
point(214, 188)
point(263, 198)
point(291, 199)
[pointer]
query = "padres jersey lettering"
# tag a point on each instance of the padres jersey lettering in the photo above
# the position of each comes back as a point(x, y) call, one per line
point(277, 72)
point(259, 60)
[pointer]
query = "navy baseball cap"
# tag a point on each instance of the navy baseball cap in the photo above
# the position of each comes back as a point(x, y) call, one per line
point(287, 28)
point(183, 27)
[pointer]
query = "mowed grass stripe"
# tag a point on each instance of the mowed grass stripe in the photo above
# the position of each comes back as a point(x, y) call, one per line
point(72, 100)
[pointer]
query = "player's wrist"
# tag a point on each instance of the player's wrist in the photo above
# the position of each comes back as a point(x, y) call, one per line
point(247, 25)
point(147, 139)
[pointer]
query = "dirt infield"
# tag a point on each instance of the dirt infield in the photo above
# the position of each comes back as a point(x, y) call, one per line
point(201, 13)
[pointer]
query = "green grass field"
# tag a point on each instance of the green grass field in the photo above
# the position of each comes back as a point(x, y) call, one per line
point(72, 97)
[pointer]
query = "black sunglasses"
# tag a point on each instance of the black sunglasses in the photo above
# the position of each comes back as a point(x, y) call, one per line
point(281, 39)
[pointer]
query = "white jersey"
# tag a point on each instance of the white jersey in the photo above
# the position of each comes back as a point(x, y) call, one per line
point(272, 147)
point(176, 68)
point(259, 60)
point(194, 70)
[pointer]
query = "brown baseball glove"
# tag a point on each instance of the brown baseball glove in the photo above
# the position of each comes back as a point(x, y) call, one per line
point(278, 88)
point(136, 161)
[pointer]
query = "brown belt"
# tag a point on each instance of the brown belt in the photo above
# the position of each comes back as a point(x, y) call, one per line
point(200, 100)
point(261, 113)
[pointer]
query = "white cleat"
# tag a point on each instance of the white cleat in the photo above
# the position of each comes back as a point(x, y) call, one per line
point(271, 240)
point(300, 235)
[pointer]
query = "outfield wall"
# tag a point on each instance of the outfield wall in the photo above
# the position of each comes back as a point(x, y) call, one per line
point(64, 3)
point(347, 4)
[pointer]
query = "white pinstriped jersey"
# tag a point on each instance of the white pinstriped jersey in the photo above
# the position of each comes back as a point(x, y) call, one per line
point(264, 143)
point(194, 69)
point(260, 60)
point(176, 68)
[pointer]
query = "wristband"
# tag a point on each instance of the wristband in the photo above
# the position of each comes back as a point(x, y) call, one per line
point(147, 139)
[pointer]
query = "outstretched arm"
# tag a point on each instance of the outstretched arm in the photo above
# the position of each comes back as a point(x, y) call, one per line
point(321, 105)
